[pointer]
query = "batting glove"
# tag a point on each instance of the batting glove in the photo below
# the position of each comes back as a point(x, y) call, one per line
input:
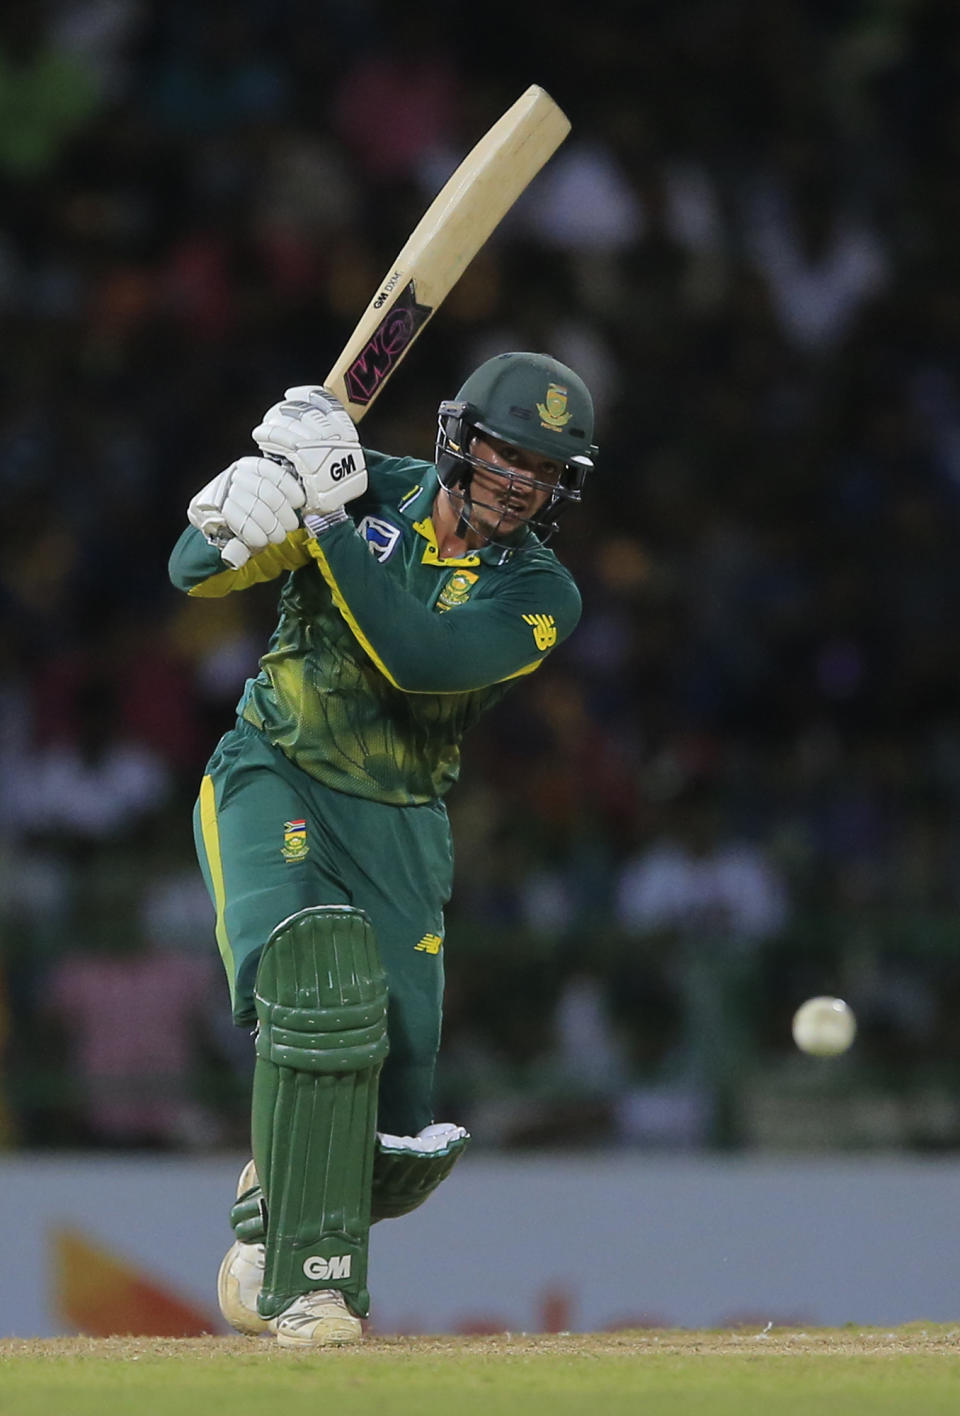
point(312, 431)
point(253, 503)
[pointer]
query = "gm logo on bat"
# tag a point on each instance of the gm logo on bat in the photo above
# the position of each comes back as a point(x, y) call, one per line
point(339, 470)
point(388, 287)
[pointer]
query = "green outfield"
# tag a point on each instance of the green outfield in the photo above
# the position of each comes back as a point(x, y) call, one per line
point(841, 1371)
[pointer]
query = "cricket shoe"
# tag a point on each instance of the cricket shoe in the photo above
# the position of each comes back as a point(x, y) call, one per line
point(317, 1319)
point(241, 1275)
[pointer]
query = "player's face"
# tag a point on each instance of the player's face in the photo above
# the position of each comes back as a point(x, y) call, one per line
point(504, 492)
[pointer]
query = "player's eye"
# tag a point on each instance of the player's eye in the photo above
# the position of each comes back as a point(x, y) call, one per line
point(508, 452)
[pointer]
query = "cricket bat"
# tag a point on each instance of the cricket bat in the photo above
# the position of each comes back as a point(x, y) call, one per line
point(457, 224)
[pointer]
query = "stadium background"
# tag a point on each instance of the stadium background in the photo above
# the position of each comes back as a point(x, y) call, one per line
point(739, 784)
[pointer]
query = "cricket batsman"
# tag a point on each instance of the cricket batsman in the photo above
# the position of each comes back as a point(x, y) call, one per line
point(414, 595)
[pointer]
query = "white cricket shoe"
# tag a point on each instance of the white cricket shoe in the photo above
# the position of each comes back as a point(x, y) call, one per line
point(238, 1287)
point(241, 1275)
point(318, 1319)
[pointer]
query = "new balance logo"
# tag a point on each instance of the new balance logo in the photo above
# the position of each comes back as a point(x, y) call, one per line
point(544, 630)
point(430, 944)
point(338, 1266)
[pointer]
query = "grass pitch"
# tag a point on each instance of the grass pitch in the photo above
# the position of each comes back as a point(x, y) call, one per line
point(911, 1371)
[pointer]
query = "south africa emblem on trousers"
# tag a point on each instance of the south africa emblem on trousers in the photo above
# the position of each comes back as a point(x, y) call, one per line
point(294, 840)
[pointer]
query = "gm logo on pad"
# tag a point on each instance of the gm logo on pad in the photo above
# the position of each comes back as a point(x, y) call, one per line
point(338, 1266)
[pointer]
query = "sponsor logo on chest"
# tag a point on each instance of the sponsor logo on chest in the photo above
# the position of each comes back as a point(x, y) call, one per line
point(381, 536)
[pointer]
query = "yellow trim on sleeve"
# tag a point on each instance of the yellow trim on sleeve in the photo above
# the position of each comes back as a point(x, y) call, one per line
point(210, 831)
point(267, 564)
point(527, 669)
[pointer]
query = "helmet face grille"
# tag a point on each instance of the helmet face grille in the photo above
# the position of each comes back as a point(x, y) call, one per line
point(457, 462)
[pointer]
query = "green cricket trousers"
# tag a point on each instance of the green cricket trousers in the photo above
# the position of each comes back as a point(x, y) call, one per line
point(272, 840)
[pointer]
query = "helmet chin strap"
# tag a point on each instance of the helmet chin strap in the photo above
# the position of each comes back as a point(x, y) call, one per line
point(466, 511)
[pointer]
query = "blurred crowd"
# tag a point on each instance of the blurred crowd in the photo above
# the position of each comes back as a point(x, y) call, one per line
point(739, 783)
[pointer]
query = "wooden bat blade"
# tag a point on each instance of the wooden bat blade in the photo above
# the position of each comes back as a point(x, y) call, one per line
point(456, 225)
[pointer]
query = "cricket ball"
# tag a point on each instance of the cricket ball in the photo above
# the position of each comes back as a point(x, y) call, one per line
point(824, 1027)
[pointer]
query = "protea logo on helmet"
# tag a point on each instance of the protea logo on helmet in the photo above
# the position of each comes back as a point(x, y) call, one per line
point(553, 409)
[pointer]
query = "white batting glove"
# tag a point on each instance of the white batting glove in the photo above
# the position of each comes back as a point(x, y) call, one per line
point(312, 430)
point(253, 503)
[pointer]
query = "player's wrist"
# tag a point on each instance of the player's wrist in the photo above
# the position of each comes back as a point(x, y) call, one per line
point(318, 522)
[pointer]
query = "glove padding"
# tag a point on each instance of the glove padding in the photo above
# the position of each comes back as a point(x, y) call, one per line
point(312, 431)
point(253, 503)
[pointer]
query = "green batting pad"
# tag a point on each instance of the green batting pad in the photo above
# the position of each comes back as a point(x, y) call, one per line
point(321, 1001)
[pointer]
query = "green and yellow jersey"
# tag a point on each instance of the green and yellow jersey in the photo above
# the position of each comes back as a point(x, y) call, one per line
point(385, 653)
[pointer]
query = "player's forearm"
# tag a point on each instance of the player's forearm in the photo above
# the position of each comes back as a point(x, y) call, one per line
point(197, 567)
point(193, 560)
point(417, 649)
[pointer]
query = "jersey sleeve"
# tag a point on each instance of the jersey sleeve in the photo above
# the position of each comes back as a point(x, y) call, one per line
point(485, 641)
point(196, 567)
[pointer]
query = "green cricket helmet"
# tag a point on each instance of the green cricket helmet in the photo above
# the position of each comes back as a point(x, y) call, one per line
point(532, 402)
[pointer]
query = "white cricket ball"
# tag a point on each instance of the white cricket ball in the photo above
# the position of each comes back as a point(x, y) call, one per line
point(824, 1027)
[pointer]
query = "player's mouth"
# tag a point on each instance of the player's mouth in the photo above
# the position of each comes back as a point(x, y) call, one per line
point(513, 506)
point(510, 512)
point(511, 502)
